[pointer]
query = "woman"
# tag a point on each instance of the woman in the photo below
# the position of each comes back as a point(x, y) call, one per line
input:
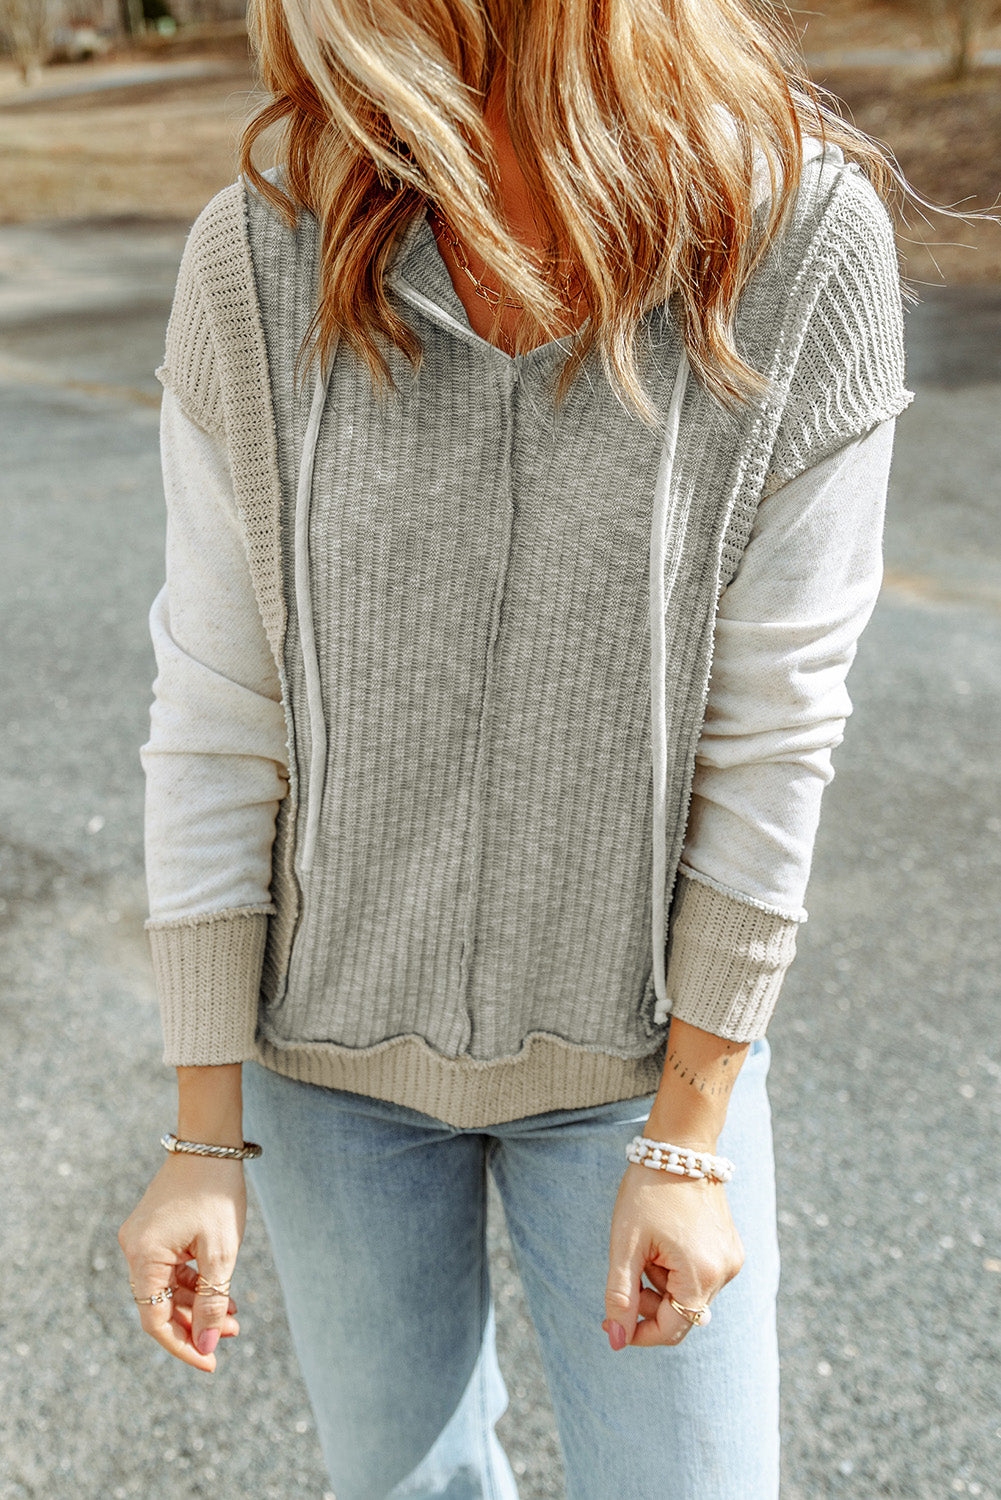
point(526, 435)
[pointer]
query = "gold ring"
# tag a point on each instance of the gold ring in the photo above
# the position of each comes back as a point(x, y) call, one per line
point(697, 1316)
point(205, 1288)
point(162, 1296)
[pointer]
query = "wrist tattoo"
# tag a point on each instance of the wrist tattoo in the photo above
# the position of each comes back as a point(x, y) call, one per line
point(716, 1088)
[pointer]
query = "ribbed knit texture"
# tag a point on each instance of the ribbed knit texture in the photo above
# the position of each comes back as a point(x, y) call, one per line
point(486, 786)
point(474, 931)
point(216, 365)
point(849, 374)
point(215, 962)
point(546, 1074)
point(727, 960)
point(215, 343)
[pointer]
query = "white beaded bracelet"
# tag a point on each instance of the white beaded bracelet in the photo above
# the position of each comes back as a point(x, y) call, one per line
point(679, 1160)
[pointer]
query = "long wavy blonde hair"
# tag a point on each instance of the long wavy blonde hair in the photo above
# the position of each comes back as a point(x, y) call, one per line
point(641, 128)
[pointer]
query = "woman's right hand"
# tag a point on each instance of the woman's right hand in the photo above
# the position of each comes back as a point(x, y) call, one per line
point(195, 1209)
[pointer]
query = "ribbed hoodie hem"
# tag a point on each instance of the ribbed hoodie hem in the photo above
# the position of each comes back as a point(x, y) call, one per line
point(469, 1093)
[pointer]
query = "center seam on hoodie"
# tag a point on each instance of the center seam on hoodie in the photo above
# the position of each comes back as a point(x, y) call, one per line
point(474, 835)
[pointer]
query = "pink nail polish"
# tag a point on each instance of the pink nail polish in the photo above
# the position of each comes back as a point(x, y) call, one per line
point(617, 1336)
point(207, 1341)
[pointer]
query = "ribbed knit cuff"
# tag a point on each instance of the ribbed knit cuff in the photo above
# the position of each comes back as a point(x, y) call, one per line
point(208, 977)
point(727, 960)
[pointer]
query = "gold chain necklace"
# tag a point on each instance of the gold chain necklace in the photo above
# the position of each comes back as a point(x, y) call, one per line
point(494, 298)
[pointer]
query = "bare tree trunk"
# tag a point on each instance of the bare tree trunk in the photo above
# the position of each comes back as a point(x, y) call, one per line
point(132, 17)
point(959, 23)
point(25, 27)
point(965, 27)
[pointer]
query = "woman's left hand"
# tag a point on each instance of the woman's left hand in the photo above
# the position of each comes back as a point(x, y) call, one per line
point(679, 1233)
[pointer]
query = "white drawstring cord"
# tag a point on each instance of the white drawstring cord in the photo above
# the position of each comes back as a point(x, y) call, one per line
point(307, 635)
point(658, 685)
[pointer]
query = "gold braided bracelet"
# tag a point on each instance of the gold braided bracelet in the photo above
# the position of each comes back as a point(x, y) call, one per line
point(246, 1152)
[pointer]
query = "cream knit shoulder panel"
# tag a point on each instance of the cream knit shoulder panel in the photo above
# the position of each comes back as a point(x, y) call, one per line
point(189, 368)
point(849, 373)
point(216, 364)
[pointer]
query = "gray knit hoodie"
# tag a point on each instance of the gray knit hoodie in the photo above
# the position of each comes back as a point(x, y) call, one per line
point(493, 624)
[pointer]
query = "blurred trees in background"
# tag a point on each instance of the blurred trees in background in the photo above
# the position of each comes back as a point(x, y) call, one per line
point(959, 24)
point(27, 27)
point(34, 32)
point(26, 33)
point(955, 27)
point(133, 17)
point(186, 11)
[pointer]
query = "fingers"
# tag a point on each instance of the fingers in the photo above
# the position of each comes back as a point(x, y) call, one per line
point(159, 1319)
point(658, 1322)
point(211, 1299)
point(658, 1276)
point(192, 1210)
point(622, 1293)
point(183, 1314)
point(179, 1315)
point(188, 1277)
point(684, 1241)
point(176, 1339)
point(153, 1293)
point(668, 1325)
point(171, 1320)
point(661, 1323)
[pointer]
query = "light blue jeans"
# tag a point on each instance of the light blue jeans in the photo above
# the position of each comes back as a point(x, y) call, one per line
point(376, 1216)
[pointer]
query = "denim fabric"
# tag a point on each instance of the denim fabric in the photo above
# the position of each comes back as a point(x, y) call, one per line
point(377, 1217)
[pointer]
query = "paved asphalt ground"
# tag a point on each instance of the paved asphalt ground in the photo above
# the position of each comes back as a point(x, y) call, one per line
point(886, 1079)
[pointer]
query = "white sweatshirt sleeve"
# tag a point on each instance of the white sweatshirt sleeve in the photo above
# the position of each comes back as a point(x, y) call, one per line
point(786, 634)
point(216, 758)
